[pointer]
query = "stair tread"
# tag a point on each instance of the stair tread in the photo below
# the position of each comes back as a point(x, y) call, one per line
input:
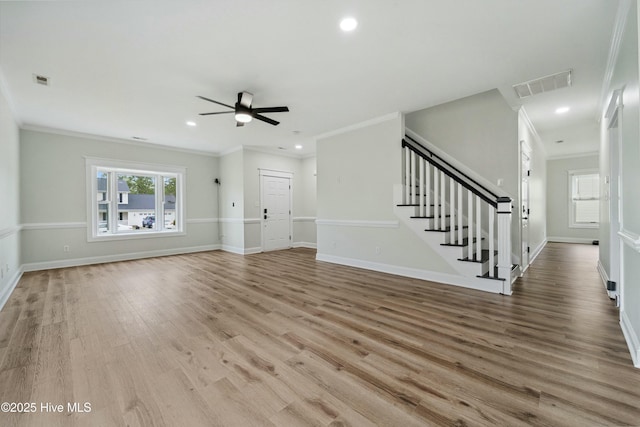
point(429, 217)
point(447, 229)
point(484, 257)
point(495, 273)
point(465, 242)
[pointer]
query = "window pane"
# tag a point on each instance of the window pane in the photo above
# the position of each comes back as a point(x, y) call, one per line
point(586, 187)
point(587, 211)
point(136, 203)
point(169, 202)
point(102, 199)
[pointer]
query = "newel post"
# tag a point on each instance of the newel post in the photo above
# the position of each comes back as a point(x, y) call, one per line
point(504, 243)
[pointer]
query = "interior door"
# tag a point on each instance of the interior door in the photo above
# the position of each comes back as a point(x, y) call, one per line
point(524, 213)
point(614, 205)
point(276, 212)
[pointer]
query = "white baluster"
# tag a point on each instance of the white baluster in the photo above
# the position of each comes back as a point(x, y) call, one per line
point(492, 262)
point(436, 197)
point(428, 186)
point(452, 209)
point(407, 171)
point(412, 178)
point(478, 228)
point(459, 215)
point(421, 189)
point(443, 196)
point(470, 223)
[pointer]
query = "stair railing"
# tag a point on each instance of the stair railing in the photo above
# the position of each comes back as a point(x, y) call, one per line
point(441, 191)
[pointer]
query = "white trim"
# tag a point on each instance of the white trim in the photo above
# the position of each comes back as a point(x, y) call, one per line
point(145, 144)
point(47, 265)
point(631, 337)
point(536, 136)
point(241, 251)
point(231, 220)
point(275, 173)
point(273, 151)
point(203, 220)
point(11, 285)
point(252, 220)
point(309, 245)
point(574, 156)
point(494, 286)
point(359, 125)
point(358, 223)
point(631, 239)
point(6, 232)
point(533, 255)
point(614, 49)
point(53, 225)
point(603, 274)
point(580, 240)
point(230, 151)
point(304, 219)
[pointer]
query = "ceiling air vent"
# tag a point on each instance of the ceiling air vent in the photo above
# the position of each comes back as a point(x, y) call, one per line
point(543, 84)
point(41, 80)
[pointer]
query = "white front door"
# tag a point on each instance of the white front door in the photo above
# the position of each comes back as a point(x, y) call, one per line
point(276, 212)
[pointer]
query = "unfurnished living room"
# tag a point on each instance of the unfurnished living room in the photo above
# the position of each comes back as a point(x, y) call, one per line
point(338, 213)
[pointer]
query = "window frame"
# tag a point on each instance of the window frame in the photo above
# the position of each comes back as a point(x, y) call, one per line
point(120, 166)
point(572, 210)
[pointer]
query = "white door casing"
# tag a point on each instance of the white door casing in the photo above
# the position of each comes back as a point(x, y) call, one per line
point(275, 209)
point(525, 172)
point(613, 193)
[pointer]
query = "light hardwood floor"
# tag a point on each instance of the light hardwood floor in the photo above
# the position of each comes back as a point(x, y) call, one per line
point(278, 339)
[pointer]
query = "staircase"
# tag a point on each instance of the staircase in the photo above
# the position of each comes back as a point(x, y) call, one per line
point(465, 222)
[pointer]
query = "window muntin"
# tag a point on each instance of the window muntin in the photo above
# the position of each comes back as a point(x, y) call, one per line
point(584, 199)
point(126, 202)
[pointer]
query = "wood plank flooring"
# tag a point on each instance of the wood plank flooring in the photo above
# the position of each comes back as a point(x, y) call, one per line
point(278, 339)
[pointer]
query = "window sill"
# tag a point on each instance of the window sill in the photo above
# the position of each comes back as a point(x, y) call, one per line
point(135, 236)
point(588, 226)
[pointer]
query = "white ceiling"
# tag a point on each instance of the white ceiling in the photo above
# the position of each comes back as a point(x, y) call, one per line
point(133, 68)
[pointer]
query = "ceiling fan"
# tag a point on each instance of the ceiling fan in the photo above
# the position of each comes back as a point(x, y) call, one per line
point(243, 111)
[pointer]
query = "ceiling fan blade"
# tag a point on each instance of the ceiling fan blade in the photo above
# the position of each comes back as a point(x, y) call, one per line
point(266, 119)
point(216, 102)
point(218, 112)
point(239, 124)
point(245, 98)
point(271, 110)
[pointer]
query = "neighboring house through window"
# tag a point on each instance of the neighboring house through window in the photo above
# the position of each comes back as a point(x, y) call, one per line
point(131, 200)
point(584, 198)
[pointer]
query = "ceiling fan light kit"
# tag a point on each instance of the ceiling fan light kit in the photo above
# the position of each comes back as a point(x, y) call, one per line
point(244, 112)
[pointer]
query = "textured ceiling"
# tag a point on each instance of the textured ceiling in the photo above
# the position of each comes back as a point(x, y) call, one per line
point(133, 68)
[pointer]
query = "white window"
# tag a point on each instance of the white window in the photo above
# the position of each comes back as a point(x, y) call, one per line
point(584, 199)
point(133, 200)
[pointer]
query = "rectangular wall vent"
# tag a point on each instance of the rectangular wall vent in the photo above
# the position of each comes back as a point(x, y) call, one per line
point(41, 80)
point(543, 84)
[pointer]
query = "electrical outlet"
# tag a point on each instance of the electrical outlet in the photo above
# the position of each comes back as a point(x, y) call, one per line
point(378, 250)
point(65, 248)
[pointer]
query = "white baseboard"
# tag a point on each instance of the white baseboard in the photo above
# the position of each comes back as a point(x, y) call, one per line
point(603, 274)
point(633, 341)
point(537, 251)
point(305, 245)
point(47, 265)
point(580, 240)
point(487, 285)
point(241, 251)
point(11, 285)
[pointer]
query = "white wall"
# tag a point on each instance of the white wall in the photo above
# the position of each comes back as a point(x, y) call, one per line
point(232, 201)
point(625, 75)
point(241, 186)
point(53, 202)
point(357, 171)
point(537, 187)
point(9, 201)
point(558, 229)
point(480, 132)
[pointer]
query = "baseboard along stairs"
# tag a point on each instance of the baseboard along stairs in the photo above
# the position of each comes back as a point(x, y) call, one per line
point(462, 220)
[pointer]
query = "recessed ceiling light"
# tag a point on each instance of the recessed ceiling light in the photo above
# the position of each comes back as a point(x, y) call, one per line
point(348, 24)
point(560, 141)
point(191, 123)
point(298, 147)
point(562, 110)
